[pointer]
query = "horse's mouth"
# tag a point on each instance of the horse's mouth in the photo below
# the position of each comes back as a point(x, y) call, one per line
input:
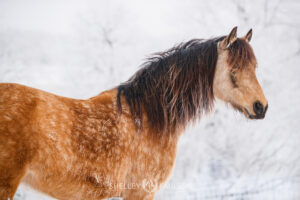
point(250, 116)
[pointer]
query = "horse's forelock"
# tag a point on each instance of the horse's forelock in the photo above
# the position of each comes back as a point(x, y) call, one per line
point(241, 54)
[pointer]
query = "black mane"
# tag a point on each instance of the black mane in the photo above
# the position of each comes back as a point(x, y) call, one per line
point(173, 87)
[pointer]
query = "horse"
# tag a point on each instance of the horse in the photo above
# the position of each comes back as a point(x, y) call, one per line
point(122, 143)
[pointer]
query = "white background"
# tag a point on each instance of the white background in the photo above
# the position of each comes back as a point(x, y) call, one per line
point(80, 48)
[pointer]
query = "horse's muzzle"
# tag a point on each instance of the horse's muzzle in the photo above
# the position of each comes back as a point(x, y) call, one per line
point(259, 109)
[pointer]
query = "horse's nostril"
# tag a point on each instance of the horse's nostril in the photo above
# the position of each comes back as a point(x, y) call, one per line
point(258, 108)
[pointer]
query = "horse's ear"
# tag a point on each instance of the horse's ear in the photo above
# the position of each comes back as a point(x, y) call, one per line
point(229, 39)
point(248, 36)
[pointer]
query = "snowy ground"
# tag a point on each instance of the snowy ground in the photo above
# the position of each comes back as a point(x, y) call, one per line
point(80, 48)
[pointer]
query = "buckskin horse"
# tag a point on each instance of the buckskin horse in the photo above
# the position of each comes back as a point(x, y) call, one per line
point(127, 136)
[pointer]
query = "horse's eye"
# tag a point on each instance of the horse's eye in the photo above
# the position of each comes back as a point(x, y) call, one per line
point(233, 78)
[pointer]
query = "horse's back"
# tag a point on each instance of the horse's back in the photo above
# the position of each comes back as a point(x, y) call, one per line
point(34, 134)
point(27, 116)
point(17, 104)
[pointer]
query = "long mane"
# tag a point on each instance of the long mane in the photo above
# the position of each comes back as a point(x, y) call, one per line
point(173, 87)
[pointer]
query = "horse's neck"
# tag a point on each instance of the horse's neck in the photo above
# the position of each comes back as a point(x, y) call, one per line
point(146, 134)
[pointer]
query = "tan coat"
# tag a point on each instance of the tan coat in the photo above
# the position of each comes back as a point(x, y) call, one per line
point(77, 149)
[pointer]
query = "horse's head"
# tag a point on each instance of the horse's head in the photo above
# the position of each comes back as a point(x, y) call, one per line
point(235, 80)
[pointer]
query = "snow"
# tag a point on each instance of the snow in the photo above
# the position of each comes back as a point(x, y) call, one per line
point(80, 48)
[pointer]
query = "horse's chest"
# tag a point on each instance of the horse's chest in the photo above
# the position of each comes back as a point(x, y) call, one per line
point(153, 163)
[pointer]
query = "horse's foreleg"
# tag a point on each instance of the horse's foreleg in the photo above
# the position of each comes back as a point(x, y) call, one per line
point(138, 194)
point(146, 197)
